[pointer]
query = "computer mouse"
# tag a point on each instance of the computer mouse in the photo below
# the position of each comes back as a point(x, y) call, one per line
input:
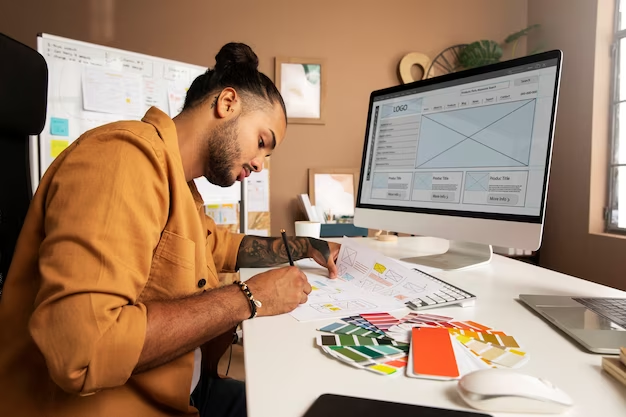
point(504, 390)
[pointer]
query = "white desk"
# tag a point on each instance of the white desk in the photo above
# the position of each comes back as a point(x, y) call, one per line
point(285, 372)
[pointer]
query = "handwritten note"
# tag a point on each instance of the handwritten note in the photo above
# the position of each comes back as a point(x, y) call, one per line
point(176, 93)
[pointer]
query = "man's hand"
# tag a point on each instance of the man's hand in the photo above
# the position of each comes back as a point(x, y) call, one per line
point(279, 290)
point(325, 254)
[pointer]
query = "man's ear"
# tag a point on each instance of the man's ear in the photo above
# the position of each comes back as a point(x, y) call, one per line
point(228, 103)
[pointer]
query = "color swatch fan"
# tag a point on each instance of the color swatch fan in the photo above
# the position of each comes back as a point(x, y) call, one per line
point(438, 347)
point(351, 345)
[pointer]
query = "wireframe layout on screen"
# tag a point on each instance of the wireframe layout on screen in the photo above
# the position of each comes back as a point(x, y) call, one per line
point(496, 135)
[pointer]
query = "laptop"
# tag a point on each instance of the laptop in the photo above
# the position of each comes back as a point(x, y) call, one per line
point(598, 324)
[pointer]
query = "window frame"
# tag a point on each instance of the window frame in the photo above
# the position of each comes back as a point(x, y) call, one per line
point(611, 211)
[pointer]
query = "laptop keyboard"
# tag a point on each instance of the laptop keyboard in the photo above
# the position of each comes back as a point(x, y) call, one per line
point(613, 309)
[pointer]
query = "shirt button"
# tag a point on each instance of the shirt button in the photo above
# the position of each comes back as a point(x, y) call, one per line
point(201, 283)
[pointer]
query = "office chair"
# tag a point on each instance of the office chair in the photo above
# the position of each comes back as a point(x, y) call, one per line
point(23, 97)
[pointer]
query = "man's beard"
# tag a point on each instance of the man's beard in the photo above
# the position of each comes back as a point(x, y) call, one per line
point(223, 152)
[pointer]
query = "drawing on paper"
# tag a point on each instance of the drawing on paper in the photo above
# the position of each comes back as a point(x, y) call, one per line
point(342, 270)
point(349, 256)
point(414, 288)
point(336, 306)
point(320, 290)
point(376, 274)
point(405, 292)
point(393, 276)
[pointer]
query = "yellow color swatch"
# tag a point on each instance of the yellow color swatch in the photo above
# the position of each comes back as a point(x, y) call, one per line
point(388, 370)
point(57, 146)
point(379, 268)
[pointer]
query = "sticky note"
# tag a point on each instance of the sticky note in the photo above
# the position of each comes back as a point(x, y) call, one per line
point(57, 146)
point(59, 127)
point(379, 268)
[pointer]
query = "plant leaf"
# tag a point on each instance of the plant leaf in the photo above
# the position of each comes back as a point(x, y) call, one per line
point(480, 53)
point(515, 36)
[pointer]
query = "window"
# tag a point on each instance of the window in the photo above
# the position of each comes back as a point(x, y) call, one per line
point(616, 215)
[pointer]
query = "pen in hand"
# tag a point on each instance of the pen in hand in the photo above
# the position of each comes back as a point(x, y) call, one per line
point(282, 232)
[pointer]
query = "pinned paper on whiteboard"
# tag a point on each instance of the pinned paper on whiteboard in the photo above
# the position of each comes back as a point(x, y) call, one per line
point(258, 191)
point(177, 73)
point(154, 94)
point(110, 91)
point(130, 64)
point(176, 93)
point(223, 214)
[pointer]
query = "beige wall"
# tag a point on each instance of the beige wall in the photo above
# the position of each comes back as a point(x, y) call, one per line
point(573, 242)
point(362, 42)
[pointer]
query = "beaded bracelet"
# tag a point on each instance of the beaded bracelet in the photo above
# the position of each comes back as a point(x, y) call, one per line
point(253, 303)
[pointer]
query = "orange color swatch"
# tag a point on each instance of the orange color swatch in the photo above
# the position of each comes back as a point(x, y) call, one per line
point(433, 353)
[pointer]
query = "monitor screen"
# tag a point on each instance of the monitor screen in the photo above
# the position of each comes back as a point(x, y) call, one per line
point(474, 144)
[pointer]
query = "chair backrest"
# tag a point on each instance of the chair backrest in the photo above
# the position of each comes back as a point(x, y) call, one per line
point(23, 97)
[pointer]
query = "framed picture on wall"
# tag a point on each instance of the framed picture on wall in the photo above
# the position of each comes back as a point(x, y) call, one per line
point(333, 191)
point(302, 83)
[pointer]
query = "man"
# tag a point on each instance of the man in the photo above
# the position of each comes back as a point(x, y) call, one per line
point(113, 282)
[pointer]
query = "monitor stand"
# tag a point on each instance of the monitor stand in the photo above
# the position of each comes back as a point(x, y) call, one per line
point(460, 255)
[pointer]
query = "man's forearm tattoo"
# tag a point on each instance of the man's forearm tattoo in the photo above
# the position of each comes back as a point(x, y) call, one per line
point(256, 252)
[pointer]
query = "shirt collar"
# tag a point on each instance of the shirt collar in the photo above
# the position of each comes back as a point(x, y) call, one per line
point(167, 131)
point(164, 125)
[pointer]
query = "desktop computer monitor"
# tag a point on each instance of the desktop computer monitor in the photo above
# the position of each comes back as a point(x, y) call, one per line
point(464, 157)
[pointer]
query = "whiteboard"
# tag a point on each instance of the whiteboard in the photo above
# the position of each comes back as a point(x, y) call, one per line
point(90, 85)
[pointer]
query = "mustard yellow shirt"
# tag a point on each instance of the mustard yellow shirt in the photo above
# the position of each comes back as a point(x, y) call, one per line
point(113, 225)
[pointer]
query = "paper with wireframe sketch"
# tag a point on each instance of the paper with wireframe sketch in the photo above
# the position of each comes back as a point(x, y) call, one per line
point(335, 298)
point(376, 273)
